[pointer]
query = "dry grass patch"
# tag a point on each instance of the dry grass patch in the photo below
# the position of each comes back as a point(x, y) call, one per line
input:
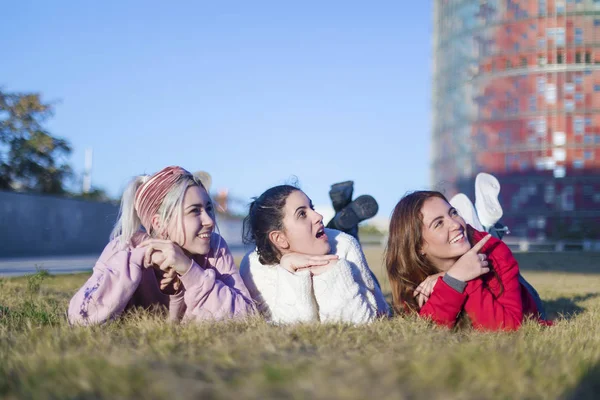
point(141, 356)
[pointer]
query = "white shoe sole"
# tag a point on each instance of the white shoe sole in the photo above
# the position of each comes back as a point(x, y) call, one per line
point(487, 204)
point(465, 208)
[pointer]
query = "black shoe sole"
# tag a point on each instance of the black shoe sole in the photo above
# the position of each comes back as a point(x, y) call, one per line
point(341, 194)
point(360, 209)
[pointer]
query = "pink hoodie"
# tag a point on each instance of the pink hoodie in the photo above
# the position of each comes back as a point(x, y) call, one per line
point(212, 288)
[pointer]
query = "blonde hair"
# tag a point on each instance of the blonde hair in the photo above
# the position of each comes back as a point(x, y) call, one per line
point(170, 212)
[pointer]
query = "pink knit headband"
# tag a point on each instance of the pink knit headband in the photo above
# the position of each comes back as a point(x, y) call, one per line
point(151, 194)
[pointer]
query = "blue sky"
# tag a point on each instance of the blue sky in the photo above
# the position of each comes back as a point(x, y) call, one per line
point(254, 92)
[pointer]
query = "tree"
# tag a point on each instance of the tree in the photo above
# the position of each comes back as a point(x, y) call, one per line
point(369, 230)
point(31, 159)
point(96, 194)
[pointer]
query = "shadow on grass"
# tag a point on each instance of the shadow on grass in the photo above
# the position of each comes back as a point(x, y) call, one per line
point(588, 387)
point(572, 262)
point(567, 306)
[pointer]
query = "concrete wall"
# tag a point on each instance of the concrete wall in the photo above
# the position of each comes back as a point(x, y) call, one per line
point(231, 230)
point(33, 224)
point(41, 225)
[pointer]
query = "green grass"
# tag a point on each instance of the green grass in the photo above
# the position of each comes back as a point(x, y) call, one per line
point(141, 356)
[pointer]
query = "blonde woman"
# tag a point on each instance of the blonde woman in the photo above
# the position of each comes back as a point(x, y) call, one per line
point(164, 256)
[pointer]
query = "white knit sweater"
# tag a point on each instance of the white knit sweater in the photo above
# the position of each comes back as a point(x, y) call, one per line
point(346, 292)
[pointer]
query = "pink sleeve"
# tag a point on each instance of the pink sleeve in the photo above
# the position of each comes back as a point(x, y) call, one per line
point(104, 296)
point(216, 292)
point(176, 306)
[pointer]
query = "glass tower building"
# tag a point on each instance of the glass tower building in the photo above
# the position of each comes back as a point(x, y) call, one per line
point(516, 93)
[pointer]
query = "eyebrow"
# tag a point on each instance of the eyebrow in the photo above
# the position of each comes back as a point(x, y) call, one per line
point(299, 208)
point(435, 219)
point(199, 205)
point(441, 216)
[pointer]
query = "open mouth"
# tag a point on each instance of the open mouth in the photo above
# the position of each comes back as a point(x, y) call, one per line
point(458, 238)
point(321, 233)
point(204, 235)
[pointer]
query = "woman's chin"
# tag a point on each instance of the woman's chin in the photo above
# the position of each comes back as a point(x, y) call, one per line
point(459, 249)
point(325, 248)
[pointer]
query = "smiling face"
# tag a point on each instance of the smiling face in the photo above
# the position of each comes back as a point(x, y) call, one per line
point(197, 221)
point(444, 233)
point(303, 229)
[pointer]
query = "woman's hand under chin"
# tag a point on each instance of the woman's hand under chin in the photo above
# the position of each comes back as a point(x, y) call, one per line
point(168, 281)
point(294, 262)
point(322, 268)
point(425, 288)
point(165, 255)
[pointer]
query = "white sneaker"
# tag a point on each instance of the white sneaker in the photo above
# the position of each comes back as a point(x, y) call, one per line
point(466, 210)
point(488, 207)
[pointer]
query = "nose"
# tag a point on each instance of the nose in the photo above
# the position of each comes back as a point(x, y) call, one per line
point(317, 218)
point(454, 223)
point(207, 220)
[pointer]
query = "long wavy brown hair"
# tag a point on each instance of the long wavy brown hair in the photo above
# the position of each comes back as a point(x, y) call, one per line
point(406, 266)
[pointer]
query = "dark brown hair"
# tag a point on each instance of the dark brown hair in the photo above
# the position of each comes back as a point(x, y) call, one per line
point(265, 215)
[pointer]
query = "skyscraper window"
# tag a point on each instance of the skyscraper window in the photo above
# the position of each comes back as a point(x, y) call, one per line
point(578, 125)
point(578, 37)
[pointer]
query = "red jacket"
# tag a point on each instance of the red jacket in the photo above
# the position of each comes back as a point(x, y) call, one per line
point(485, 304)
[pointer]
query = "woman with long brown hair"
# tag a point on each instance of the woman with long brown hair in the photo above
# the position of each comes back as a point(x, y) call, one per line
point(442, 268)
